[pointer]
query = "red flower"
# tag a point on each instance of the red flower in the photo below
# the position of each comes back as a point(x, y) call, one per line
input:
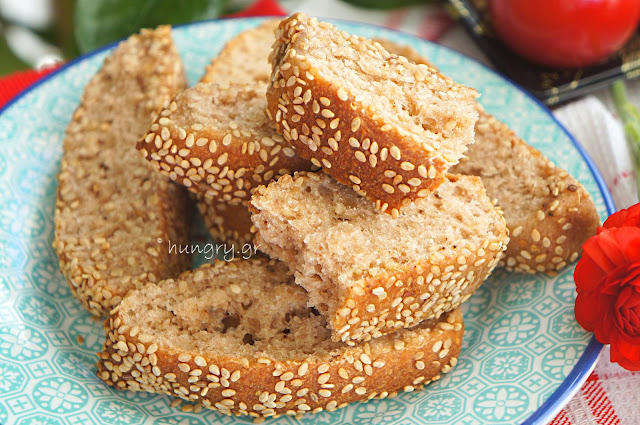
point(608, 283)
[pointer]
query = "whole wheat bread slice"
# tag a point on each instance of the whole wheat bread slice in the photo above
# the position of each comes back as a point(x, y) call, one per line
point(216, 139)
point(245, 58)
point(239, 338)
point(361, 113)
point(548, 212)
point(115, 216)
point(231, 223)
point(368, 273)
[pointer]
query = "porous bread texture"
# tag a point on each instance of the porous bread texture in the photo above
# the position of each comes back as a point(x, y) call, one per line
point(548, 212)
point(112, 209)
point(368, 273)
point(374, 121)
point(216, 141)
point(238, 337)
point(244, 59)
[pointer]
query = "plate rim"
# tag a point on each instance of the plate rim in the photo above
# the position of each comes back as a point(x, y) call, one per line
point(588, 360)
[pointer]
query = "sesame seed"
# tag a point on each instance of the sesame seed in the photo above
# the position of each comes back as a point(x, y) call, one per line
point(540, 215)
point(302, 370)
point(325, 101)
point(355, 124)
point(360, 156)
point(414, 181)
point(323, 368)
point(228, 392)
point(342, 94)
point(184, 367)
point(535, 235)
point(327, 113)
point(361, 390)
point(388, 188)
point(517, 231)
point(322, 379)
point(324, 393)
point(395, 153)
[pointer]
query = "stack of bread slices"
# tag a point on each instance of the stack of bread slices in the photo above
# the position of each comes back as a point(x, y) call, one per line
point(349, 163)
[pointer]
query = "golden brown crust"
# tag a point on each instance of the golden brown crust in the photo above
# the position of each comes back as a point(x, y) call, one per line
point(266, 387)
point(231, 159)
point(330, 126)
point(400, 297)
point(559, 216)
point(112, 209)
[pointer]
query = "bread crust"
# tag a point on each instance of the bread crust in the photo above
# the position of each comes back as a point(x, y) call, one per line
point(226, 223)
point(263, 386)
point(329, 126)
point(559, 215)
point(104, 187)
point(397, 298)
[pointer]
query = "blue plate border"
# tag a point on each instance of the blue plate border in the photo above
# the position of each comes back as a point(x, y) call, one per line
point(560, 397)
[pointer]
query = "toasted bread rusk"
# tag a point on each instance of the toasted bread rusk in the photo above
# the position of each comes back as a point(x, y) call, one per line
point(376, 122)
point(245, 58)
point(115, 216)
point(231, 223)
point(368, 273)
point(239, 338)
point(548, 212)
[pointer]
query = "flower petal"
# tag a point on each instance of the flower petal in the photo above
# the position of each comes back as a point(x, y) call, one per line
point(626, 217)
point(587, 275)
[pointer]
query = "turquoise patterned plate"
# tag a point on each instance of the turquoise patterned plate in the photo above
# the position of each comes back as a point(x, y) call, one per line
point(523, 355)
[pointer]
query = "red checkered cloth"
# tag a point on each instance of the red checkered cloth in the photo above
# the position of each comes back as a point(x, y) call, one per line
point(611, 395)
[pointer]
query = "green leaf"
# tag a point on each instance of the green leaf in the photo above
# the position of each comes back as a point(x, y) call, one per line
point(630, 117)
point(98, 22)
point(387, 4)
point(9, 62)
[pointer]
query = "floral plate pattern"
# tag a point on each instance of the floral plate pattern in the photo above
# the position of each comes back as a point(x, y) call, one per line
point(523, 353)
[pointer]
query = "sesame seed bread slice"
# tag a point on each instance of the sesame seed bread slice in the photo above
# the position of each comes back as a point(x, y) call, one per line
point(374, 121)
point(111, 208)
point(238, 337)
point(368, 273)
point(216, 140)
point(244, 59)
point(229, 223)
point(548, 212)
